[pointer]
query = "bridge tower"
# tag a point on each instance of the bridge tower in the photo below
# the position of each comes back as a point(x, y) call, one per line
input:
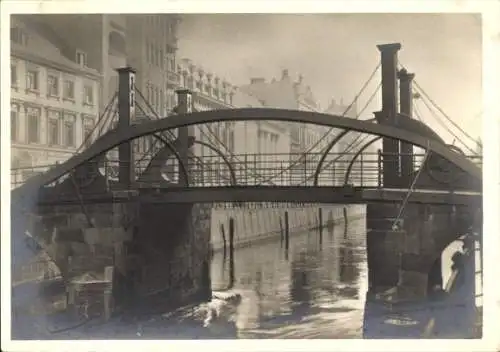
point(382, 240)
point(126, 114)
point(184, 106)
point(388, 115)
point(406, 108)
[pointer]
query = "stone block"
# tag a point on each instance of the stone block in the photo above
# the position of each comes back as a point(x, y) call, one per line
point(395, 241)
point(70, 235)
point(78, 220)
point(413, 283)
point(106, 236)
point(412, 244)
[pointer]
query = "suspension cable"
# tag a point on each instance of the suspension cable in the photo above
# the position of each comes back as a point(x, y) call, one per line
point(226, 148)
point(324, 149)
point(424, 94)
point(348, 149)
point(100, 120)
point(356, 98)
point(416, 112)
point(171, 135)
point(359, 135)
point(443, 124)
point(298, 160)
point(443, 113)
point(395, 224)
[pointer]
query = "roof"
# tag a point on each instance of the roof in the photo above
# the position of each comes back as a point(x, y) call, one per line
point(242, 99)
point(45, 49)
point(276, 94)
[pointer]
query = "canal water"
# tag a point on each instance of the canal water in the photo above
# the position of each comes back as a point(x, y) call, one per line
point(316, 290)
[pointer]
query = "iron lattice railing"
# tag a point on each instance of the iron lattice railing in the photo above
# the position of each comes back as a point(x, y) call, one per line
point(290, 169)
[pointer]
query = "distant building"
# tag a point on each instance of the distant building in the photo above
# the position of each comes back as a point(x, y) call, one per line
point(285, 93)
point(210, 92)
point(350, 144)
point(147, 43)
point(54, 98)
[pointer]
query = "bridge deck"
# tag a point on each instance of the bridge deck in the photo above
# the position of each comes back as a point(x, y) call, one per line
point(284, 194)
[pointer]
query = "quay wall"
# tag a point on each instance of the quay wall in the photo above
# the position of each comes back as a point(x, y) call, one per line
point(258, 224)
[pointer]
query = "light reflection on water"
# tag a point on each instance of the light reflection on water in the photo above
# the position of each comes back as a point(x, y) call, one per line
point(317, 292)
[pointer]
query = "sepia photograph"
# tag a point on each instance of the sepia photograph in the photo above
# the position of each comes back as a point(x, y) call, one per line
point(183, 176)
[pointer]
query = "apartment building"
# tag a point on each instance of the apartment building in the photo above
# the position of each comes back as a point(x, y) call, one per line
point(54, 98)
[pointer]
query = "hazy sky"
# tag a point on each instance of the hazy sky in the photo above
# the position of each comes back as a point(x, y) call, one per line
point(337, 52)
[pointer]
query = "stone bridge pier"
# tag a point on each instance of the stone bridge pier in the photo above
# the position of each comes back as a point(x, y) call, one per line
point(406, 253)
point(405, 241)
point(148, 257)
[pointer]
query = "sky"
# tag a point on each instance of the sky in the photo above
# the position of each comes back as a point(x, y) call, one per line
point(336, 53)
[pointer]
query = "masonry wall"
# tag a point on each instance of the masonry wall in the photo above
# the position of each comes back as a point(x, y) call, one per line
point(172, 250)
point(261, 224)
point(404, 255)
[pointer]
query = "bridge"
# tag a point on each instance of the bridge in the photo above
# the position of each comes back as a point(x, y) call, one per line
point(417, 188)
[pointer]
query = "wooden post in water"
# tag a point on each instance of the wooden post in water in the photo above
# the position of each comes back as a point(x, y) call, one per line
point(281, 232)
point(223, 234)
point(320, 228)
point(231, 252)
point(346, 222)
point(287, 232)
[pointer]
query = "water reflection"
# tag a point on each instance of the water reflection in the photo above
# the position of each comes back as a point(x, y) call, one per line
point(311, 292)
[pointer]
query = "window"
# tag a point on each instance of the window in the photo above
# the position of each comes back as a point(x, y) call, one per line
point(149, 94)
point(32, 80)
point(69, 89)
point(198, 85)
point(157, 98)
point(171, 62)
point(53, 124)
point(88, 95)
point(14, 121)
point(18, 36)
point(88, 125)
point(173, 28)
point(33, 115)
point(155, 56)
point(153, 96)
point(148, 55)
point(161, 58)
point(69, 130)
point(231, 140)
point(162, 101)
point(13, 75)
point(53, 85)
point(152, 53)
point(81, 58)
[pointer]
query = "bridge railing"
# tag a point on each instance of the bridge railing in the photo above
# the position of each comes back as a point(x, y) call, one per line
point(256, 169)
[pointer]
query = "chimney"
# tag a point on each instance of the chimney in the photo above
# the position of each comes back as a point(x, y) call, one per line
point(257, 80)
point(284, 74)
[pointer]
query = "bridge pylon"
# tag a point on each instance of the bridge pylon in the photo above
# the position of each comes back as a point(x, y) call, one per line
point(126, 114)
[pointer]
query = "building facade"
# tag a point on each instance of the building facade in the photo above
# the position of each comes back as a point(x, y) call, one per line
point(54, 99)
point(350, 145)
point(239, 141)
point(287, 93)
